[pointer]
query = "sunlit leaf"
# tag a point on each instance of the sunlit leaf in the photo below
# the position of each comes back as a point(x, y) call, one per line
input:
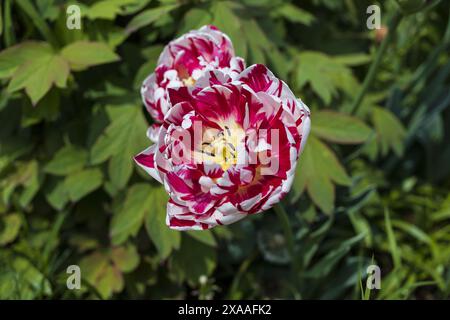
point(161, 235)
point(81, 183)
point(340, 128)
point(67, 160)
point(83, 54)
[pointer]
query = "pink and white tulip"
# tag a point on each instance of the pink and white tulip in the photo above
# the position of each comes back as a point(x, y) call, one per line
point(212, 149)
point(182, 62)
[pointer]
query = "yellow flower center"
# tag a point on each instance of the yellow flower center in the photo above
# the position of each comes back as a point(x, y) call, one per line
point(188, 82)
point(220, 146)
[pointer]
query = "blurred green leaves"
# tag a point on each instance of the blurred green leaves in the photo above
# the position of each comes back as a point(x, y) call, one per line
point(36, 67)
point(67, 160)
point(316, 172)
point(325, 74)
point(121, 140)
point(84, 54)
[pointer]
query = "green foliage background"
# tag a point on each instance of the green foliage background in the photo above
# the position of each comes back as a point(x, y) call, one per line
point(372, 185)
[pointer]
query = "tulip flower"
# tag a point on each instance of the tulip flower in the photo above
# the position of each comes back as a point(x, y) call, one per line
point(227, 148)
point(182, 62)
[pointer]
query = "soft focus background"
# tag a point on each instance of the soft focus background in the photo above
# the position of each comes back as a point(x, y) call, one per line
point(372, 186)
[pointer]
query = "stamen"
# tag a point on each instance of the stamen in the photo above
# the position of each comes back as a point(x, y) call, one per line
point(228, 130)
point(231, 146)
point(208, 153)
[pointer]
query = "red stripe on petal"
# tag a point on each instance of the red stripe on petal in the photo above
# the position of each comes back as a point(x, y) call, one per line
point(175, 222)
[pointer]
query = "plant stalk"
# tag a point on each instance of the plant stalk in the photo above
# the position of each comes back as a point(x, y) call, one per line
point(392, 26)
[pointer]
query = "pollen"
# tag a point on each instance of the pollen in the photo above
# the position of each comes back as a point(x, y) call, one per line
point(220, 146)
point(189, 82)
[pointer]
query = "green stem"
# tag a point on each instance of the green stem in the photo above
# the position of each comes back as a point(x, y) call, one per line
point(392, 26)
point(39, 22)
point(285, 224)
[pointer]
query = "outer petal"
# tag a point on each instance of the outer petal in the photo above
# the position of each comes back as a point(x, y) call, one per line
point(146, 160)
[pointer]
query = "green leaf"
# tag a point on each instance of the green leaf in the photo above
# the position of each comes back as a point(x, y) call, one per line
point(226, 20)
point(257, 41)
point(340, 128)
point(393, 247)
point(161, 235)
point(129, 217)
point(47, 109)
point(147, 17)
point(28, 8)
point(327, 263)
point(13, 57)
point(194, 259)
point(9, 227)
point(120, 169)
point(125, 134)
point(25, 175)
point(98, 270)
point(67, 160)
point(295, 14)
point(204, 236)
point(121, 140)
point(83, 54)
point(151, 56)
point(353, 59)
point(81, 183)
point(9, 35)
point(107, 9)
point(126, 258)
point(194, 19)
point(57, 196)
point(390, 131)
point(318, 168)
point(325, 74)
point(37, 75)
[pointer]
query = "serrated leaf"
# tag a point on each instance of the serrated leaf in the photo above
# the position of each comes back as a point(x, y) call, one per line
point(13, 57)
point(37, 75)
point(121, 140)
point(340, 128)
point(325, 74)
point(161, 235)
point(81, 183)
point(129, 218)
point(317, 170)
point(390, 131)
point(83, 54)
point(67, 160)
point(125, 134)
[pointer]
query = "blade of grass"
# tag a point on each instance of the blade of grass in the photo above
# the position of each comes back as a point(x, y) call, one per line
point(8, 26)
point(38, 21)
point(391, 239)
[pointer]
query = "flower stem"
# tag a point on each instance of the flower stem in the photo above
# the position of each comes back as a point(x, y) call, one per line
point(392, 26)
point(285, 224)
